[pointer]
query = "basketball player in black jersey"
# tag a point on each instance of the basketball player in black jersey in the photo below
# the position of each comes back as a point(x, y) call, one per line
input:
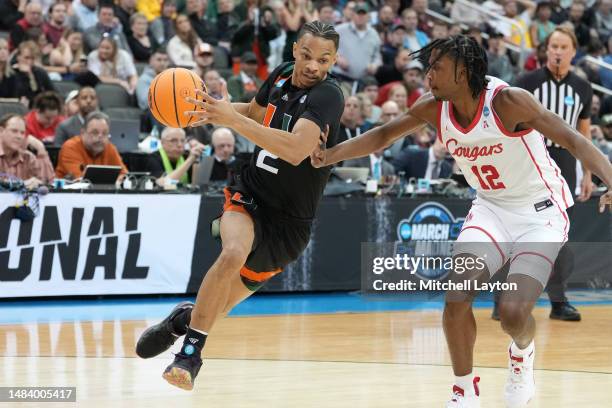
point(269, 208)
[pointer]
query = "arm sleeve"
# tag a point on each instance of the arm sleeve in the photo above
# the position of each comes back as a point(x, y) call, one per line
point(262, 95)
point(587, 97)
point(325, 104)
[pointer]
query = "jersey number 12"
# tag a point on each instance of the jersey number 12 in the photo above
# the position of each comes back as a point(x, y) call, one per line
point(491, 175)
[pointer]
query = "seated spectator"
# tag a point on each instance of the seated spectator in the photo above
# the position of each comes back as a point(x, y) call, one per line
point(536, 59)
point(11, 11)
point(7, 80)
point(87, 101)
point(141, 43)
point(427, 163)
point(162, 28)
point(112, 65)
point(69, 57)
point(124, 10)
point(180, 47)
point(351, 120)
point(105, 28)
point(91, 147)
point(169, 161)
point(499, 63)
point(15, 157)
point(56, 25)
point(227, 22)
point(37, 35)
point(32, 17)
point(42, 121)
point(367, 109)
point(85, 15)
point(439, 31)
point(214, 84)
point(292, 15)
point(415, 39)
point(244, 86)
point(394, 71)
point(71, 105)
point(541, 26)
point(391, 47)
point(206, 30)
point(390, 111)
point(385, 25)
point(370, 88)
point(158, 62)
point(327, 14)
point(204, 59)
point(603, 19)
point(412, 81)
point(30, 80)
point(377, 164)
point(223, 144)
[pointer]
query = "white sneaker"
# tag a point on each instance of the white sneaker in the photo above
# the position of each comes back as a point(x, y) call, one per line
point(520, 385)
point(465, 398)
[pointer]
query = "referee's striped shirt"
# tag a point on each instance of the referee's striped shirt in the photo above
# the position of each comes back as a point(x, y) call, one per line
point(569, 98)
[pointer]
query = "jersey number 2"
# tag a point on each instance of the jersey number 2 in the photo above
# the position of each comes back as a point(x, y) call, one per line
point(491, 175)
point(261, 157)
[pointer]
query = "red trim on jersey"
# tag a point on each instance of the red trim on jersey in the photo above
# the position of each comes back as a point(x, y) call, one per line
point(552, 196)
point(490, 237)
point(500, 125)
point(533, 253)
point(474, 121)
point(440, 121)
point(562, 180)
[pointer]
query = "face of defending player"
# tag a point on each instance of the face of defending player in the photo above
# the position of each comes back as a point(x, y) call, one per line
point(445, 85)
point(314, 57)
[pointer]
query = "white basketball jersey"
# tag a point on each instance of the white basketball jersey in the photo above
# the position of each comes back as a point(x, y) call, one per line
point(510, 169)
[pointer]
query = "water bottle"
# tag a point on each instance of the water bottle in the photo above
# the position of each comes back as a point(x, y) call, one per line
point(154, 140)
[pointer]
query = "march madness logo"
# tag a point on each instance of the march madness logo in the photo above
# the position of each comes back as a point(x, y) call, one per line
point(428, 231)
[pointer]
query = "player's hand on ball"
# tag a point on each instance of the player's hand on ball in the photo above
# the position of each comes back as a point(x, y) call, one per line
point(218, 112)
point(317, 157)
point(605, 201)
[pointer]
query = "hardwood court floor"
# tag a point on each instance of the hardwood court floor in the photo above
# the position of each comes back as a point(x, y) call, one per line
point(391, 359)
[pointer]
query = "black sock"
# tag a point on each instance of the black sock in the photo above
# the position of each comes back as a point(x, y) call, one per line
point(193, 343)
point(181, 321)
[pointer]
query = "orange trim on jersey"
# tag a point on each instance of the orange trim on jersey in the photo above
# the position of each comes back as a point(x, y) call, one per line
point(440, 121)
point(270, 110)
point(257, 276)
point(490, 237)
point(474, 121)
point(500, 124)
point(229, 206)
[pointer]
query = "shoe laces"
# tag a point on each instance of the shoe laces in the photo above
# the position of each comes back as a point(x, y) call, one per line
point(518, 370)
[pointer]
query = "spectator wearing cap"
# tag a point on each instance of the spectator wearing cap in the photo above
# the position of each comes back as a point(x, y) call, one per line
point(415, 39)
point(16, 159)
point(93, 146)
point(162, 27)
point(541, 26)
point(412, 79)
point(359, 50)
point(140, 41)
point(204, 58)
point(42, 121)
point(158, 62)
point(105, 28)
point(244, 86)
point(393, 72)
point(33, 17)
point(499, 63)
point(71, 105)
point(87, 102)
point(394, 41)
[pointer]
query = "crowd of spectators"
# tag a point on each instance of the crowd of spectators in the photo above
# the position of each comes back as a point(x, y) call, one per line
point(126, 43)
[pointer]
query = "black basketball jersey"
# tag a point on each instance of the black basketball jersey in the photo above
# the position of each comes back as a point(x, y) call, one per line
point(294, 191)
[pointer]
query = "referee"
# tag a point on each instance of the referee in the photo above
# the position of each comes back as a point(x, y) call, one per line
point(563, 92)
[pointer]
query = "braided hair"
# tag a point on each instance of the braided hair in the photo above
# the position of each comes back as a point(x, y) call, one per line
point(460, 48)
point(319, 29)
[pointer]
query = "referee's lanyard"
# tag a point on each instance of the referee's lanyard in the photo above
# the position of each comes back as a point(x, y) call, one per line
point(349, 135)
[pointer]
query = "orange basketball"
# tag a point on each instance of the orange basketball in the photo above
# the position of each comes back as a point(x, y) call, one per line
point(167, 95)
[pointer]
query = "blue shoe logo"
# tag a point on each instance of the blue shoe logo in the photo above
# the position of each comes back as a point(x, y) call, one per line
point(189, 349)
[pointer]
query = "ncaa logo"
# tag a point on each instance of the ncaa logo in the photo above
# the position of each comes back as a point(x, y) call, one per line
point(569, 101)
point(428, 232)
point(486, 111)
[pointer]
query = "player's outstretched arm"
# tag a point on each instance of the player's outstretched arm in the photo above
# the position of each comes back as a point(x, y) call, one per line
point(422, 112)
point(251, 110)
point(292, 147)
point(517, 107)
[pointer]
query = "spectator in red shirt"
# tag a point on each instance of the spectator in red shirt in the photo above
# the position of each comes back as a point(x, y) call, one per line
point(33, 17)
point(55, 27)
point(45, 117)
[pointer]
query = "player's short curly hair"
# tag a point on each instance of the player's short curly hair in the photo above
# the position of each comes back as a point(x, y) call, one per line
point(462, 49)
point(320, 29)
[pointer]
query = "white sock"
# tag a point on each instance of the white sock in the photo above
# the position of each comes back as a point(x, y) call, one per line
point(199, 331)
point(466, 383)
point(516, 351)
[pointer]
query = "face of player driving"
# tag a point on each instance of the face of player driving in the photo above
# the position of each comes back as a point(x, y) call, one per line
point(314, 57)
point(441, 76)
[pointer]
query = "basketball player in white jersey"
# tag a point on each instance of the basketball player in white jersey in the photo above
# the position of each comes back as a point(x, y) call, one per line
point(496, 135)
